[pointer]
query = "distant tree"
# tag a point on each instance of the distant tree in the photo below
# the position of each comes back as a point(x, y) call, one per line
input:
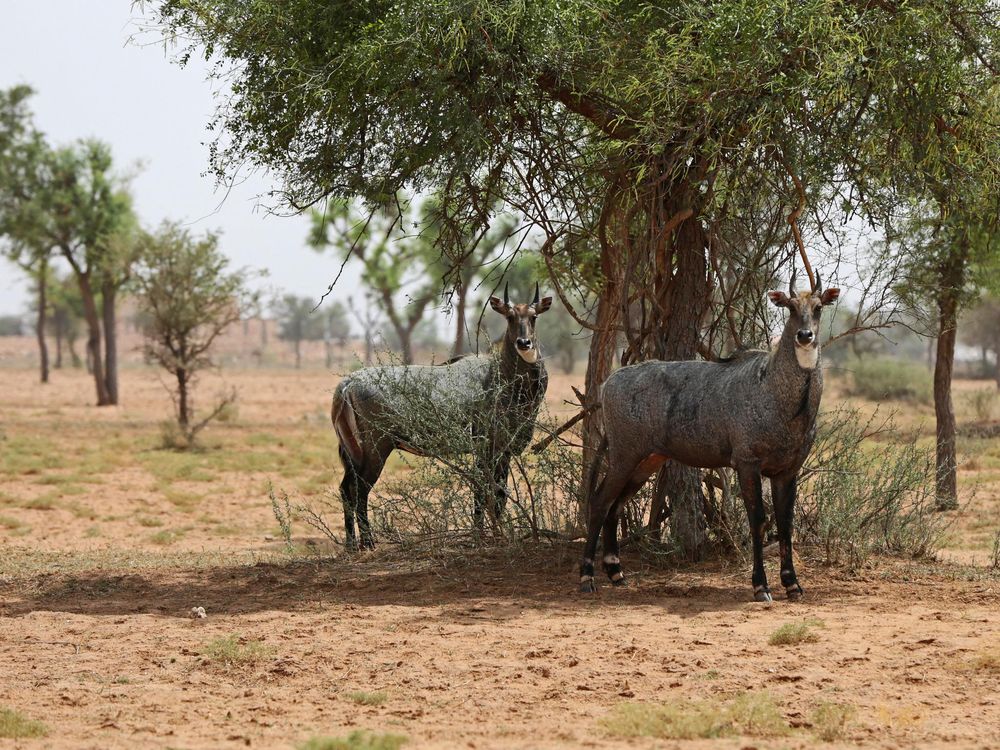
point(11, 325)
point(950, 246)
point(297, 322)
point(69, 201)
point(188, 297)
point(980, 327)
point(67, 317)
point(336, 327)
point(397, 256)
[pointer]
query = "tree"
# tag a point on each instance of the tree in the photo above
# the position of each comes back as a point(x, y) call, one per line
point(67, 315)
point(336, 327)
point(297, 322)
point(664, 151)
point(951, 250)
point(68, 201)
point(980, 327)
point(396, 253)
point(188, 297)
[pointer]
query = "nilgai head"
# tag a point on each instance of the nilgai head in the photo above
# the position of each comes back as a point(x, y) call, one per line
point(521, 322)
point(804, 310)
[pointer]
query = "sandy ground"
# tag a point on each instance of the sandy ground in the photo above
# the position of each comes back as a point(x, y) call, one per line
point(106, 543)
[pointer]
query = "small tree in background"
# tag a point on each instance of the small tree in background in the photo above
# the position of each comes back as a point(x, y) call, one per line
point(297, 322)
point(188, 298)
point(67, 316)
point(980, 327)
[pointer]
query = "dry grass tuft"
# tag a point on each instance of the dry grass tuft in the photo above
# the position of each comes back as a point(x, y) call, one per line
point(14, 725)
point(356, 740)
point(749, 713)
point(365, 698)
point(794, 633)
point(233, 651)
point(832, 721)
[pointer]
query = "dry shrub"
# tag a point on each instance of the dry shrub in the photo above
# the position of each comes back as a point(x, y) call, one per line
point(14, 725)
point(794, 633)
point(867, 490)
point(892, 379)
point(832, 721)
point(235, 652)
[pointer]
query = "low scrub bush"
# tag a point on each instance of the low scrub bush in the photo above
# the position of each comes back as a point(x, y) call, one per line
point(892, 379)
point(983, 403)
point(794, 633)
point(859, 498)
point(832, 721)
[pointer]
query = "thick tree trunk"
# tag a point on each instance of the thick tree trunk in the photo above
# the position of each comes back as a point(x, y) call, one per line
point(108, 295)
point(43, 349)
point(947, 474)
point(406, 343)
point(93, 321)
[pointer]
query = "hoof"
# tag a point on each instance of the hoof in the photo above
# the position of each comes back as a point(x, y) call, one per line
point(762, 596)
point(588, 586)
point(794, 592)
point(620, 582)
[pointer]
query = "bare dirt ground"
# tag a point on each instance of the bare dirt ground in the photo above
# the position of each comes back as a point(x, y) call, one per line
point(107, 542)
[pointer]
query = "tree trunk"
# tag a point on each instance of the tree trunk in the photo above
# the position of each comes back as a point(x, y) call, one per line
point(108, 295)
point(298, 354)
point(459, 347)
point(405, 343)
point(946, 463)
point(183, 408)
point(59, 323)
point(93, 321)
point(43, 349)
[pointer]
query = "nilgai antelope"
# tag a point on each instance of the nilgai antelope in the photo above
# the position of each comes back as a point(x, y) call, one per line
point(492, 398)
point(755, 412)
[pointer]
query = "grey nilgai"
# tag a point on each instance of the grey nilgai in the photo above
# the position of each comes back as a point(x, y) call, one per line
point(755, 412)
point(492, 401)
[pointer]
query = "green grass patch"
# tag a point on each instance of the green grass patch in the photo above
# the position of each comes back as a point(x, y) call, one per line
point(235, 651)
point(149, 522)
point(832, 721)
point(48, 501)
point(365, 698)
point(752, 714)
point(356, 740)
point(794, 633)
point(14, 725)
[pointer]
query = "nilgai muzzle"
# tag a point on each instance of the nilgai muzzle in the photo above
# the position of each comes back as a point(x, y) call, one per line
point(490, 399)
point(755, 413)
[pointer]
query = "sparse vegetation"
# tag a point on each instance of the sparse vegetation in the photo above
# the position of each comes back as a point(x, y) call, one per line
point(235, 651)
point(15, 726)
point(794, 633)
point(832, 721)
point(752, 714)
point(365, 698)
point(357, 740)
point(891, 379)
point(984, 403)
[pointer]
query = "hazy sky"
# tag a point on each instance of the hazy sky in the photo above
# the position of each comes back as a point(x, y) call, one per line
point(90, 81)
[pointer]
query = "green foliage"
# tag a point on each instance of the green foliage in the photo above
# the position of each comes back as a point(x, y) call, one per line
point(891, 379)
point(356, 740)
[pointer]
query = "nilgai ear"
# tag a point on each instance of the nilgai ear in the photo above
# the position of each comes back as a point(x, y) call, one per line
point(542, 306)
point(830, 296)
point(497, 304)
point(778, 299)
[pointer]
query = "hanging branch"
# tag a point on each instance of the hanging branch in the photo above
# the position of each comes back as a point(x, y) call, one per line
point(793, 220)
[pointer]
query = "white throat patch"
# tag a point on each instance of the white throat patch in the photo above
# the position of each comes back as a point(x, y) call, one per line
point(529, 355)
point(807, 357)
